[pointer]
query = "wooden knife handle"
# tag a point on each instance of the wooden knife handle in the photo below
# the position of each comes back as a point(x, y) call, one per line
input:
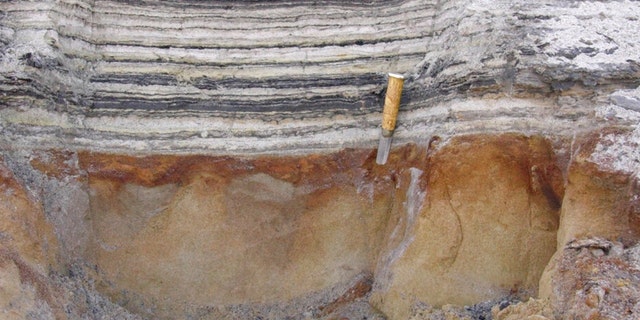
point(392, 103)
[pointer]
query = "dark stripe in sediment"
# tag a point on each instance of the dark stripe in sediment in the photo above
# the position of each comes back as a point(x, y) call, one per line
point(206, 83)
point(316, 106)
point(286, 82)
point(137, 79)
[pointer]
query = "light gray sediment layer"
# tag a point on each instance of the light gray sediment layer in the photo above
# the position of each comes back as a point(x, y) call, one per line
point(293, 77)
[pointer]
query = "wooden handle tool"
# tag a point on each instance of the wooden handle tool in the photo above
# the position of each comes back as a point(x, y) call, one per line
point(389, 116)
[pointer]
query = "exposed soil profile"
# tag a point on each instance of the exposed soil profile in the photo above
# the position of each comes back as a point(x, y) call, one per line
point(472, 221)
point(164, 159)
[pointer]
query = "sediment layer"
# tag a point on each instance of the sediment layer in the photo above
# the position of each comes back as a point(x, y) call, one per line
point(273, 77)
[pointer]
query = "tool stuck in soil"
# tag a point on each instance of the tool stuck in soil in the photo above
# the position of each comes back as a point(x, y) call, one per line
point(389, 116)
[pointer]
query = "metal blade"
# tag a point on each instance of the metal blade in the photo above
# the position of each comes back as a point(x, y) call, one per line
point(383, 149)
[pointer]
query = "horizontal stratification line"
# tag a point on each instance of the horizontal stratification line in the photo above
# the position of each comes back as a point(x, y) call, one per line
point(301, 69)
point(233, 37)
point(309, 106)
point(267, 14)
point(19, 95)
point(183, 20)
point(147, 79)
point(206, 83)
point(286, 82)
point(263, 17)
point(23, 88)
point(130, 20)
point(91, 25)
point(90, 36)
point(302, 44)
point(248, 61)
point(113, 49)
point(262, 4)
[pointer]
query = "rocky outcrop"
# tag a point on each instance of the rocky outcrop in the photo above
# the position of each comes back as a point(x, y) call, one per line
point(594, 278)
